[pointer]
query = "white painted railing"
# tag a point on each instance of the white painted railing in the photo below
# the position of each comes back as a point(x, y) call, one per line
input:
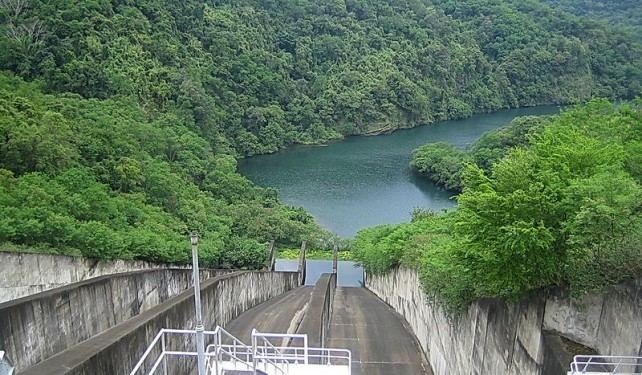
point(270, 353)
point(604, 364)
point(157, 353)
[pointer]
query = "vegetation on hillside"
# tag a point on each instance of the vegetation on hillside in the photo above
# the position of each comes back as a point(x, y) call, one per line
point(444, 164)
point(564, 210)
point(621, 13)
point(121, 121)
point(260, 75)
point(98, 178)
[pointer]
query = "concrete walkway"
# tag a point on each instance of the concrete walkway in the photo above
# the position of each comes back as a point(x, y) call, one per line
point(379, 340)
point(278, 315)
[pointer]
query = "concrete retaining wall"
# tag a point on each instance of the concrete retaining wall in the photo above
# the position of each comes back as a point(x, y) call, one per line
point(116, 350)
point(316, 321)
point(36, 327)
point(25, 274)
point(494, 337)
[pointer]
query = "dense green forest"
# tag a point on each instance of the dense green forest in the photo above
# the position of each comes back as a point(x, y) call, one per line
point(444, 164)
point(260, 75)
point(565, 209)
point(98, 178)
point(621, 13)
point(121, 121)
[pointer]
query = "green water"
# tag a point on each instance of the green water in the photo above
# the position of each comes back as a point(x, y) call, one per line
point(366, 181)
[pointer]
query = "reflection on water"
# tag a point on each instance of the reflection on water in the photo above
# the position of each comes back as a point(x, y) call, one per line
point(348, 273)
point(366, 181)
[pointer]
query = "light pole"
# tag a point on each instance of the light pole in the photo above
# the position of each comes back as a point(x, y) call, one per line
point(200, 340)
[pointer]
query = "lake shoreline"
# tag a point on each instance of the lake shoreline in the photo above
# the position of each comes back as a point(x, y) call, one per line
point(366, 181)
point(395, 130)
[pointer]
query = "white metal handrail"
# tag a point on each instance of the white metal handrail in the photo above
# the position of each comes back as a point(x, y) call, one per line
point(293, 354)
point(259, 352)
point(161, 338)
point(225, 350)
point(327, 356)
point(285, 337)
point(231, 350)
point(605, 364)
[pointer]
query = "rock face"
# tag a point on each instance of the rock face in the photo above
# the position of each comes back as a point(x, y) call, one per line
point(494, 337)
point(24, 274)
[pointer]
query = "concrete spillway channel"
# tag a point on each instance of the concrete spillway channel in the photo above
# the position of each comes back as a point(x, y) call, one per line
point(279, 315)
point(375, 334)
point(103, 325)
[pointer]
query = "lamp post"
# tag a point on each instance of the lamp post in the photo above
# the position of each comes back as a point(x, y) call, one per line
point(200, 339)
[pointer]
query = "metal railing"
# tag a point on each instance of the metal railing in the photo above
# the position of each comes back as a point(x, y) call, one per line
point(309, 356)
point(605, 364)
point(228, 348)
point(159, 346)
point(262, 352)
point(226, 352)
point(289, 353)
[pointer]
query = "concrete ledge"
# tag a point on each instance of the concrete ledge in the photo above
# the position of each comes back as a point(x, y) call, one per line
point(35, 327)
point(116, 350)
point(316, 321)
point(23, 274)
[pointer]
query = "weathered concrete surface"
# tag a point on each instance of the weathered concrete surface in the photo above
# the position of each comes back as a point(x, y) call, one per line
point(494, 337)
point(377, 336)
point(304, 310)
point(610, 323)
point(116, 350)
point(23, 274)
point(35, 327)
point(278, 315)
point(316, 321)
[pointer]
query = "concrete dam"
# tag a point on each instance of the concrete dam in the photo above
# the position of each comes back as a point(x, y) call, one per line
point(116, 318)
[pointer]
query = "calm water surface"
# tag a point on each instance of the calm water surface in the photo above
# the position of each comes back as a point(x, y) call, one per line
point(348, 273)
point(366, 181)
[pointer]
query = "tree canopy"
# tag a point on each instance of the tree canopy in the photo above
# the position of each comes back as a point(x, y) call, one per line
point(97, 178)
point(444, 164)
point(621, 13)
point(565, 209)
point(261, 75)
point(121, 121)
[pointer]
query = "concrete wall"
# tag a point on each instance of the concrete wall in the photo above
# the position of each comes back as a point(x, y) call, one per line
point(25, 274)
point(610, 323)
point(117, 350)
point(494, 337)
point(316, 321)
point(36, 327)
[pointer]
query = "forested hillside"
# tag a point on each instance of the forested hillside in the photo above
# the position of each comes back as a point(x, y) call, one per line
point(98, 178)
point(444, 164)
point(121, 121)
point(260, 75)
point(563, 210)
point(621, 13)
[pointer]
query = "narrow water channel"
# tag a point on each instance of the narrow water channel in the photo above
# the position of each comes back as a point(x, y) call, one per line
point(367, 181)
point(349, 274)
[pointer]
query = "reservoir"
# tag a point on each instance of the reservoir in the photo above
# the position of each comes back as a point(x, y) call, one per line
point(366, 181)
